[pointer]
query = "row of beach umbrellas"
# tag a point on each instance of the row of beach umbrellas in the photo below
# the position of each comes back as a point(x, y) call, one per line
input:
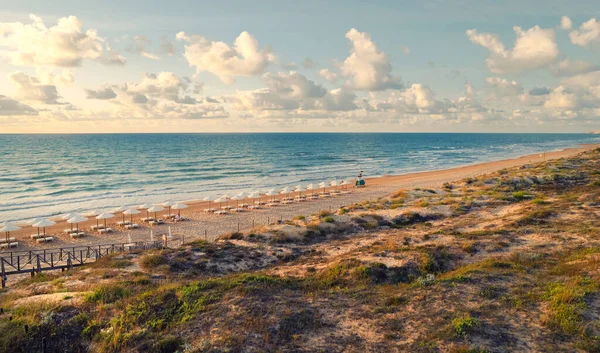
point(75, 219)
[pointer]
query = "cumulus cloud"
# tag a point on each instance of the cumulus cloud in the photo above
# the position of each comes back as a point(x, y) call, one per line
point(49, 77)
point(329, 75)
point(102, 93)
point(62, 45)
point(504, 87)
point(561, 98)
point(565, 23)
point(539, 91)
point(291, 92)
point(9, 107)
point(587, 34)
point(166, 46)
point(138, 46)
point(31, 89)
point(416, 99)
point(534, 48)
point(367, 67)
point(244, 58)
point(568, 67)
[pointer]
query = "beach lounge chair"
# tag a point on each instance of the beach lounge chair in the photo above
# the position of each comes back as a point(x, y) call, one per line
point(77, 235)
point(157, 222)
point(236, 210)
point(8, 245)
point(221, 212)
point(210, 210)
point(96, 227)
point(132, 226)
point(36, 236)
point(44, 240)
point(103, 231)
point(9, 240)
point(253, 207)
point(123, 223)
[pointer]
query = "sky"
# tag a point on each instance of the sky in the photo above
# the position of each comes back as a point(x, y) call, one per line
point(299, 66)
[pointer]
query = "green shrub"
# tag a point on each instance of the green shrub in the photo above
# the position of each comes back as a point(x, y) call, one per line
point(463, 325)
point(153, 260)
point(108, 293)
point(329, 219)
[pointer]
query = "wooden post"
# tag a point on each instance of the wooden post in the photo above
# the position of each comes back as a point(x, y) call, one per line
point(3, 274)
point(205, 237)
point(44, 345)
point(39, 266)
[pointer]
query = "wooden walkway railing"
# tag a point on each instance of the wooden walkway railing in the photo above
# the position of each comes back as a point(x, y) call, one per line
point(36, 261)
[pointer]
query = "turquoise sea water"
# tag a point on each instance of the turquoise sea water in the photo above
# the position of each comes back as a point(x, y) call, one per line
point(45, 175)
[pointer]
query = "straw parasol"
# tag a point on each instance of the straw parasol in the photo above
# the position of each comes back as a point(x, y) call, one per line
point(104, 216)
point(131, 212)
point(145, 206)
point(120, 209)
point(271, 193)
point(93, 213)
point(298, 189)
point(179, 206)
point(285, 191)
point(76, 219)
point(237, 198)
point(322, 186)
point(155, 209)
point(168, 205)
point(68, 216)
point(43, 224)
point(310, 187)
point(7, 228)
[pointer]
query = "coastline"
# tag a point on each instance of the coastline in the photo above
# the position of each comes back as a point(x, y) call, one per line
point(201, 224)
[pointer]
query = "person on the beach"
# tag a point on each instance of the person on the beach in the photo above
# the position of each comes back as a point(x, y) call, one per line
point(360, 175)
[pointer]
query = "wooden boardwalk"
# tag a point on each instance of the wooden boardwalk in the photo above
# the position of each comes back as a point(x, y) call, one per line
point(36, 261)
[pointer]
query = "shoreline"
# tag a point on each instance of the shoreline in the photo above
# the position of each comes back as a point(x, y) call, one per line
point(214, 225)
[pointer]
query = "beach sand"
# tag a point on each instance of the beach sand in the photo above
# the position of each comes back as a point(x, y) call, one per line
point(209, 226)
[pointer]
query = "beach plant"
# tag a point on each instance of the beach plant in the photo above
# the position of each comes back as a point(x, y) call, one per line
point(464, 324)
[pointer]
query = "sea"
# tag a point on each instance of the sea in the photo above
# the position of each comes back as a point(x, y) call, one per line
point(49, 175)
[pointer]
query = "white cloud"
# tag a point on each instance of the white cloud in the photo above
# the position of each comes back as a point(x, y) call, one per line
point(406, 50)
point(102, 93)
point(10, 107)
point(62, 45)
point(416, 99)
point(293, 85)
point(138, 46)
point(166, 46)
point(568, 67)
point(533, 49)
point(244, 58)
point(559, 98)
point(367, 67)
point(48, 77)
point(329, 75)
point(167, 85)
point(31, 89)
point(587, 34)
point(565, 23)
point(504, 87)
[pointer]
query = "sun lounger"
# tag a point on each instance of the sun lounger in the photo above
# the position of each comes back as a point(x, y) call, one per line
point(259, 203)
point(155, 223)
point(226, 207)
point(169, 216)
point(44, 240)
point(96, 227)
point(271, 204)
point(107, 230)
point(36, 236)
point(9, 240)
point(244, 205)
point(123, 223)
point(222, 212)
point(253, 207)
point(132, 226)
point(236, 210)
point(78, 235)
point(210, 210)
point(148, 219)
point(68, 230)
point(8, 245)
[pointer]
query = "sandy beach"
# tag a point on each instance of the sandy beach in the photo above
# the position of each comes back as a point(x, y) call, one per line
point(209, 226)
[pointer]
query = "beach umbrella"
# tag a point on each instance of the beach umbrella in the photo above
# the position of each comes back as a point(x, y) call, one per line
point(155, 209)
point(298, 189)
point(93, 213)
point(211, 198)
point(243, 194)
point(120, 209)
point(285, 191)
point(271, 194)
point(76, 219)
point(130, 212)
point(179, 206)
point(310, 187)
point(104, 216)
point(168, 205)
point(35, 220)
point(255, 195)
point(145, 206)
point(322, 186)
point(237, 198)
point(7, 228)
point(344, 183)
point(220, 200)
point(43, 224)
point(68, 216)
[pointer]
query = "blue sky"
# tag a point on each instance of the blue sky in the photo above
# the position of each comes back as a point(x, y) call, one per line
point(424, 42)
